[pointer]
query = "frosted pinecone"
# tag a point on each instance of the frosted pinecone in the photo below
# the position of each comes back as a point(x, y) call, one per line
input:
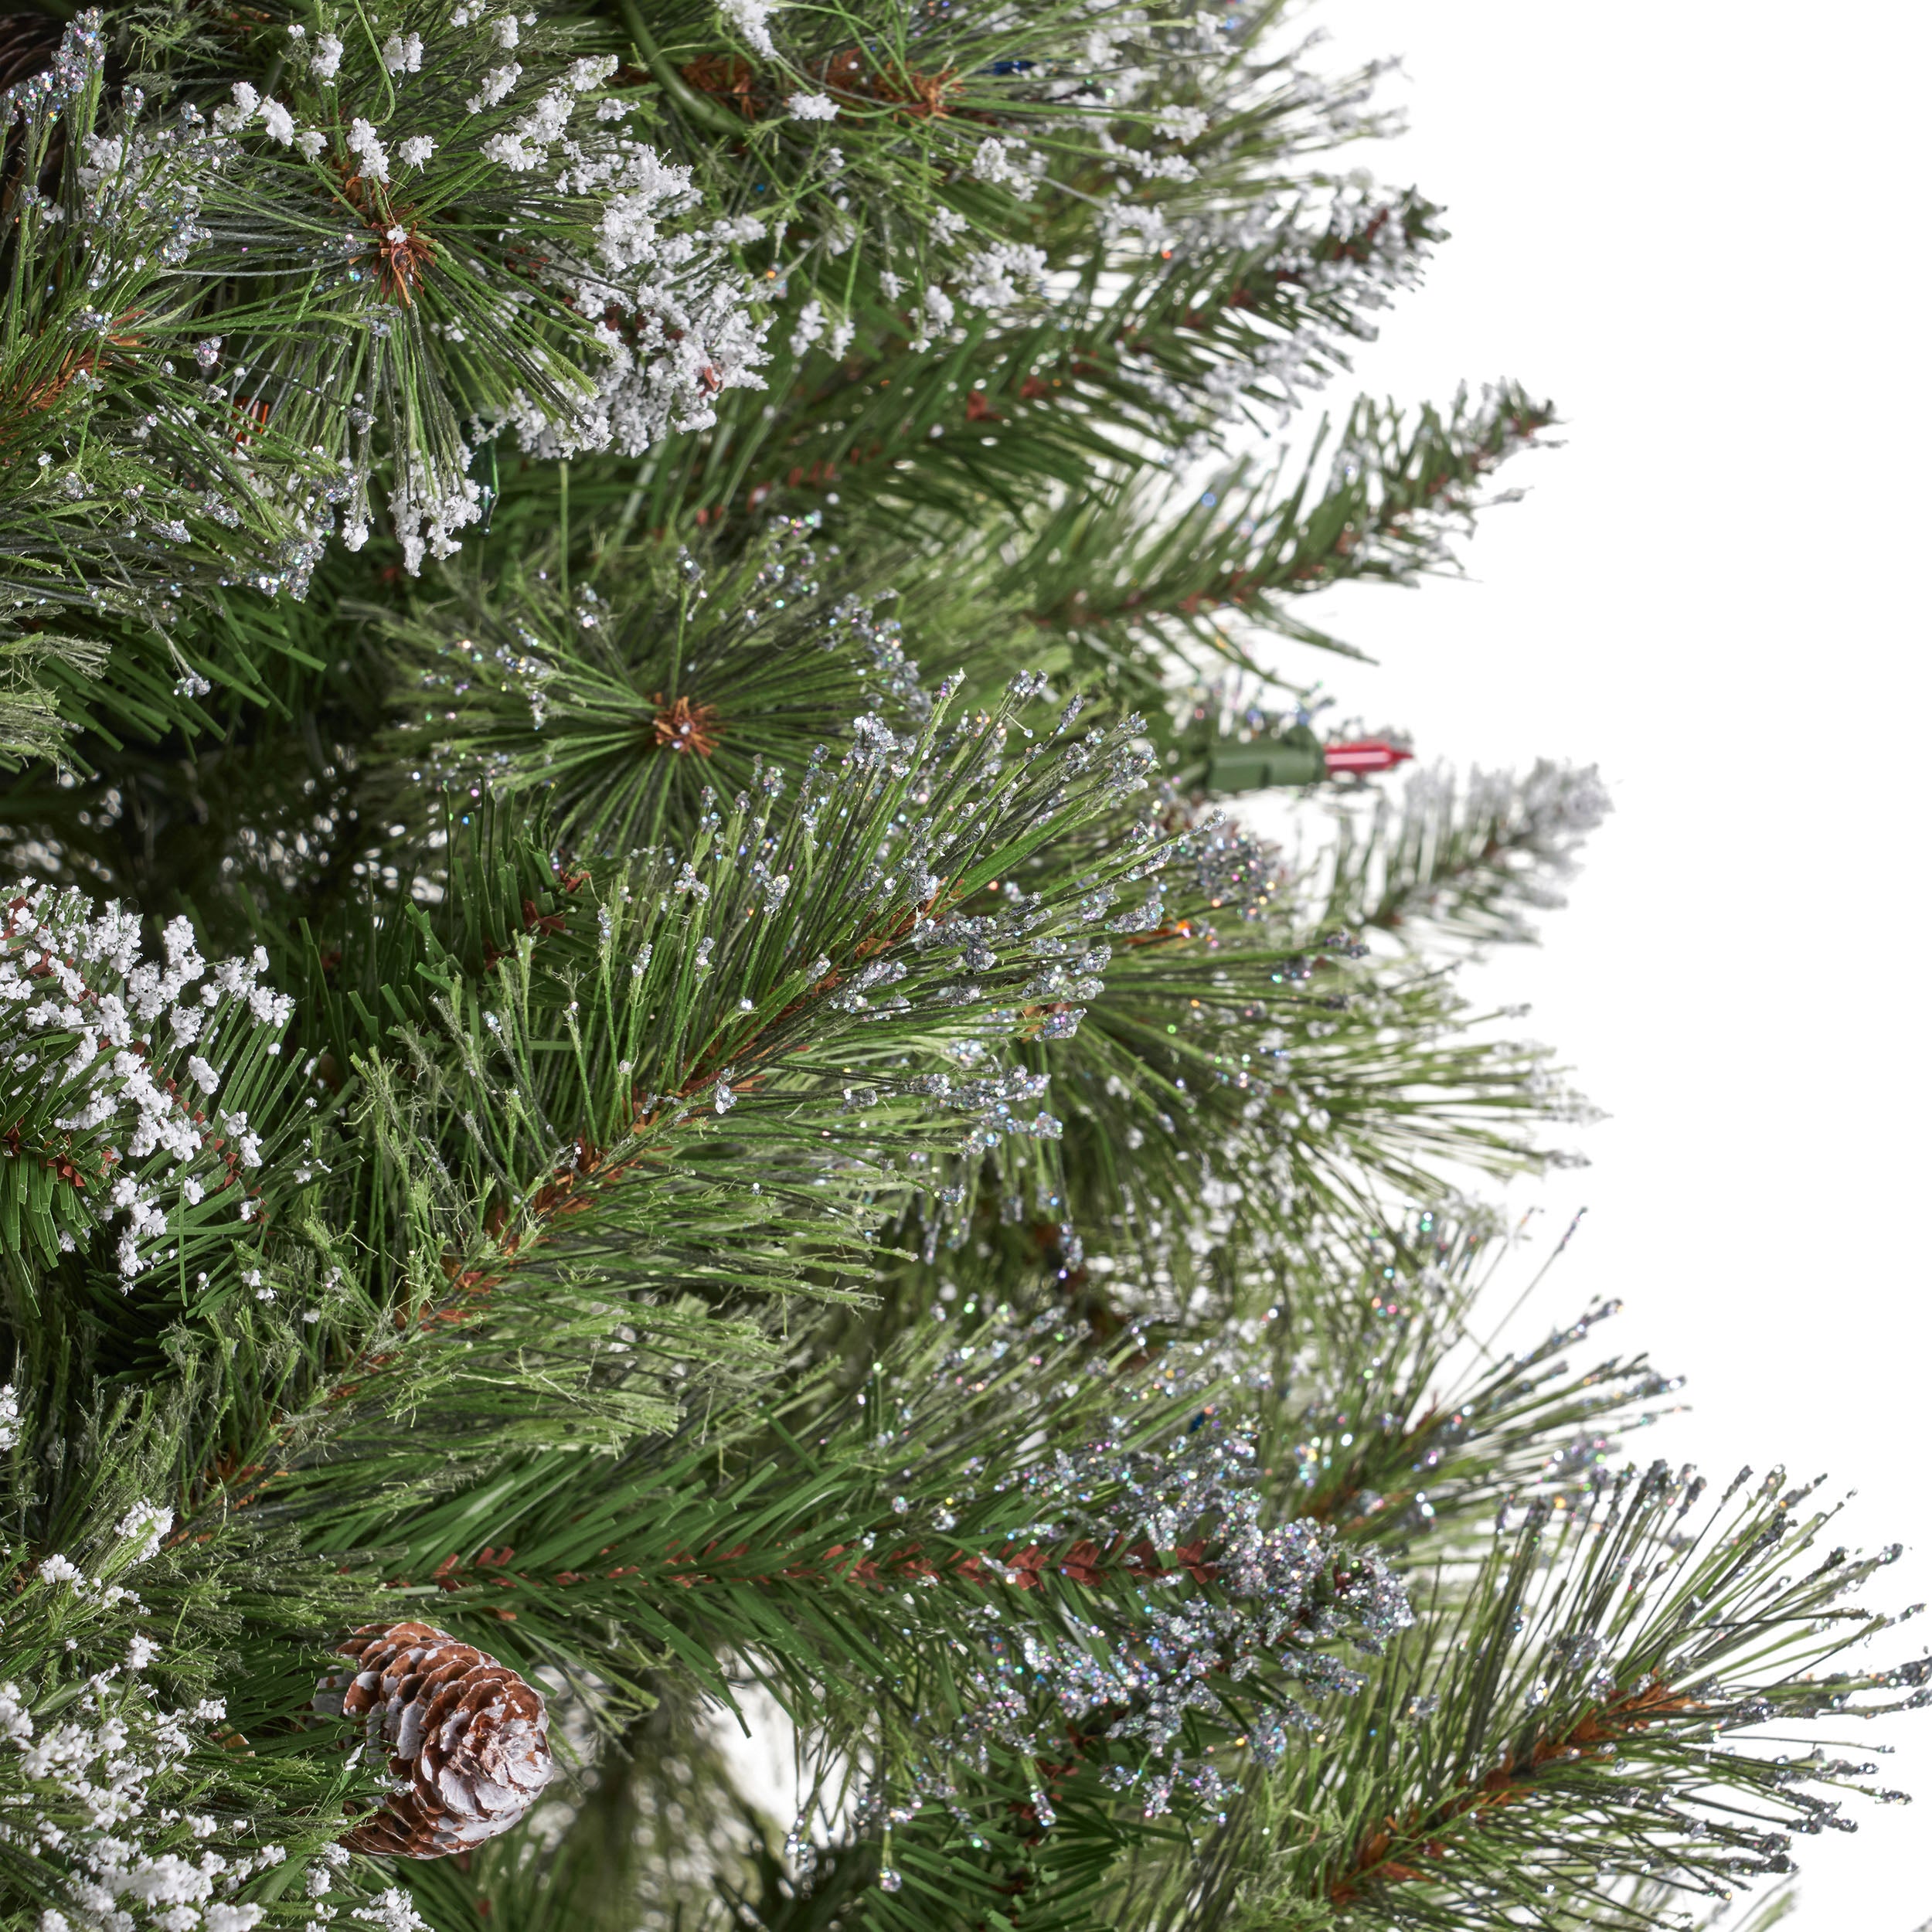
point(468, 1739)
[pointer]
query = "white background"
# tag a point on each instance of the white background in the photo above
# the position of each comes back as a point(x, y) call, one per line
point(1700, 229)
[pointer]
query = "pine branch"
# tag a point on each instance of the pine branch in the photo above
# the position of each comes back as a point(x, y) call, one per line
point(1181, 258)
point(125, 498)
point(789, 1540)
point(1223, 1063)
point(1396, 489)
point(593, 1169)
point(660, 680)
point(1472, 866)
point(163, 1668)
point(1139, 354)
point(1566, 1737)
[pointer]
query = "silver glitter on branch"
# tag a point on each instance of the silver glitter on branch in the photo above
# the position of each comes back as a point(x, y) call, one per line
point(1185, 1603)
point(126, 1116)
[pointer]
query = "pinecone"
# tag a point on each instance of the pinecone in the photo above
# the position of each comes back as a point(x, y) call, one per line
point(469, 1736)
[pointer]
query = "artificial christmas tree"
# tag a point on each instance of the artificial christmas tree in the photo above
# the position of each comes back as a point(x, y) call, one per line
point(666, 595)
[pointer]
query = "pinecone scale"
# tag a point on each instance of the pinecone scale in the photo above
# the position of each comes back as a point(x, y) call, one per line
point(467, 1738)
